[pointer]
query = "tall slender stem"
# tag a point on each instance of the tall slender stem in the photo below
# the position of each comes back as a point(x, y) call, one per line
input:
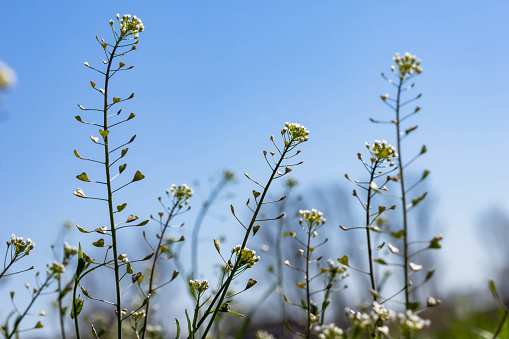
point(110, 194)
point(60, 310)
point(403, 194)
point(308, 293)
point(368, 235)
point(20, 317)
point(151, 281)
point(237, 261)
point(279, 256)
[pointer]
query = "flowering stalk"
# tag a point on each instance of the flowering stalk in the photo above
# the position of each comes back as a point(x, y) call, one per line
point(18, 249)
point(293, 135)
point(180, 196)
point(54, 272)
point(129, 30)
point(313, 220)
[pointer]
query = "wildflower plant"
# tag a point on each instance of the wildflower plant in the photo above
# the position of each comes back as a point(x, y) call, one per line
point(179, 198)
point(17, 249)
point(241, 258)
point(311, 222)
point(378, 166)
point(124, 41)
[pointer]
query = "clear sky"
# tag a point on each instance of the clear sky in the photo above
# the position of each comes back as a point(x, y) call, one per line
point(212, 81)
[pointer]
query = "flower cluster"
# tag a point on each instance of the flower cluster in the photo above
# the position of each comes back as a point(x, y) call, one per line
point(198, 286)
point(130, 25)
point(138, 315)
point(407, 64)
point(69, 250)
point(21, 247)
point(358, 319)
point(379, 312)
point(181, 192)
point(330, 331)
point(295, 133)
point(312, 217)
point(7, 76)
point(381, 150)
point(56, 268)
point(411, 322)
point(334, 270)
point(264, 335)
point(247, 257)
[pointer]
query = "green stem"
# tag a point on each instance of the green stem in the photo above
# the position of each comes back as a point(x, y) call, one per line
point(224, 288)
point(110, 195)
point(18, 320)
point(501, 325)
point(308, 294)
point(403, 195)
point(368, 235)
point(60, 310)
point(150, 288)
point(75, 307)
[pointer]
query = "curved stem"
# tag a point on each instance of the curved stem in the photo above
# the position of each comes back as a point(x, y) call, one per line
point(151, 281)
point(224, 288)
point(75, 307)
point(18, 320)
point(197, 225)
point(501, 325)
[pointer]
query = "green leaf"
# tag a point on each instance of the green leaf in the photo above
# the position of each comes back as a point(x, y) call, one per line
point(99, 243)
point(425, 174)
point(343, 260)
point(78, 118)
point(493, 289)
point(87, 259)
point(398, 234)
point(124, 152)
point(120, 208)
point(128, 268)
point(104, 133)
point(178, 329)
point(256, 194)
point(423, 149)
point(81, 229)
point(138, 176)
point(381, 209)
point(189, 324)
point(164, 249)
point(429, 275)
point(150, 255)
point(83, 177)
point(132, 115)
point(121, 168)
point(78, 303)
point(38, 325)
point(143, 223)
point(85, 292)
point(380, 261)
point(419, 199)
point(434, 243)
point(77, 154)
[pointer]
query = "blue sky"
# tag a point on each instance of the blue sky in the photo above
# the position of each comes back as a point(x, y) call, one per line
point(213, 79)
